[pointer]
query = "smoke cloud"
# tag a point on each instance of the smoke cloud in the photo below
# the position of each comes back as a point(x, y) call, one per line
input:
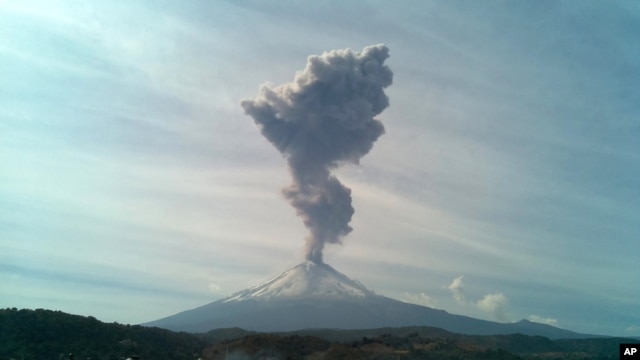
point(322, 119)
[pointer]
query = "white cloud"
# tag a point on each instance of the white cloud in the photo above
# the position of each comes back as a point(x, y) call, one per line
point(213, 287)
point(457, 289)
point(543, 320)
point(494, 304)
point(632, 329)
point(419, 299)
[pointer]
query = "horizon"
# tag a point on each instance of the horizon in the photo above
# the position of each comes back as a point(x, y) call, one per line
point(134, 186)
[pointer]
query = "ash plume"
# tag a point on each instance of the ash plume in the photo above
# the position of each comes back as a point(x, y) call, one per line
point(324, 118)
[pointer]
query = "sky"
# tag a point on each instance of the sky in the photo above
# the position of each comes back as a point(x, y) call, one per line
point(134, 186)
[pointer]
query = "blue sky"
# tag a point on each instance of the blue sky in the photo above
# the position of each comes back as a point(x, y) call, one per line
point(505, 187)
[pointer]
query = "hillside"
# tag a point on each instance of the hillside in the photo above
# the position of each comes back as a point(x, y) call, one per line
point(46, 334)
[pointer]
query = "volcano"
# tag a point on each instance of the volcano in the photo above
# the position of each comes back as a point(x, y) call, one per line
point(315, 295)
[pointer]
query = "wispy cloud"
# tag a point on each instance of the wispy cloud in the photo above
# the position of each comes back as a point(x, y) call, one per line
point(632, 329)
point(457, 289)
point(420, 299)
point(493, 304)
point(544, 320)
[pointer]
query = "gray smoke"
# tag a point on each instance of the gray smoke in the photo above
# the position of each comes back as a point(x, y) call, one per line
point(325, 117)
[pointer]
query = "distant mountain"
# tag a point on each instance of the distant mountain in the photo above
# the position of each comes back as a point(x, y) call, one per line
point(314, 295)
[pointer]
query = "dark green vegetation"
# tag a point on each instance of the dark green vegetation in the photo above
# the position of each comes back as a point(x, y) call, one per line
point(46, 334)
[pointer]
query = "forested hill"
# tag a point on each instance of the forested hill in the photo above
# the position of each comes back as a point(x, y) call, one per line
point(47, 334)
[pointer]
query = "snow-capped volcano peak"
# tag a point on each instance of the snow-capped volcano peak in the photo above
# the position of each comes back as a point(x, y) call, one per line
point(307, 280)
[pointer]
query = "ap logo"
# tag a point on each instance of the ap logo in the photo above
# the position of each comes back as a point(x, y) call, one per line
point(629, 351)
